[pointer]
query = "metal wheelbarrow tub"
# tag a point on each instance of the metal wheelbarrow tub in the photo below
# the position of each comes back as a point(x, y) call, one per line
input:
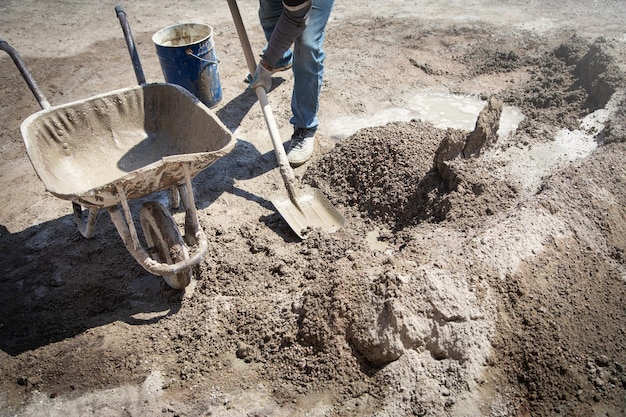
point(139, 137)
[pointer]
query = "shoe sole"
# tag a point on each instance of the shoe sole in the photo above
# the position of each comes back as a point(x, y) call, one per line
point(298, 162)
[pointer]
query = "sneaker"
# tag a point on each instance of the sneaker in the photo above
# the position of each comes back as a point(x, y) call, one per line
point(301, 149)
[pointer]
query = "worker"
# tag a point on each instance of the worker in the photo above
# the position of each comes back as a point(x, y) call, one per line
point(301, 23)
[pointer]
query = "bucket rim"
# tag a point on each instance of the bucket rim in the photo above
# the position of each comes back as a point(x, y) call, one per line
point(158, 40)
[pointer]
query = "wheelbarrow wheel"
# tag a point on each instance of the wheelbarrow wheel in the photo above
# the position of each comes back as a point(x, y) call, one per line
point(164, 241)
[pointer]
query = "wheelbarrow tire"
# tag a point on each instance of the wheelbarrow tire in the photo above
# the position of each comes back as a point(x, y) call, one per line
point(165, 241)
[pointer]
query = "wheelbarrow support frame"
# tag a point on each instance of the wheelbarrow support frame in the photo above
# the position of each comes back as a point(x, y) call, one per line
point(125, 226)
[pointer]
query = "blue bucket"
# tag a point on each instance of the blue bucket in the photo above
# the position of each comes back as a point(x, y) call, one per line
point(187, 56)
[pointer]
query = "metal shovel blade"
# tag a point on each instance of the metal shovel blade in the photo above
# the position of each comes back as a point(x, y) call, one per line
point(311, 209)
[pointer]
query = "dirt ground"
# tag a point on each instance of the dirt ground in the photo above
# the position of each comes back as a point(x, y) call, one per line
point(489, 282)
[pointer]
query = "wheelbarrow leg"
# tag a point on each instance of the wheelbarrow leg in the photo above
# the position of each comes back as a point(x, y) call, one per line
point(88, 228)
point(129, 219)
point(173, 196)
point(193, 231)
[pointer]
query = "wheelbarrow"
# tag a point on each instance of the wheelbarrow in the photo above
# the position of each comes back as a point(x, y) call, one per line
point(103, 151)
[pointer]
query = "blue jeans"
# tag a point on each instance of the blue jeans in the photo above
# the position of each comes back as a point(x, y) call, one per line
point(307, 58)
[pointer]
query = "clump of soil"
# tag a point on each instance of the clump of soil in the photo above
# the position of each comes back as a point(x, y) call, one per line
point(385, 173)
point(573, 80)
point(615, 129)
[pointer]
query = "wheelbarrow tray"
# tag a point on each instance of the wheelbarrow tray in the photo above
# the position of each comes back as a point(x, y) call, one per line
point(140, 138)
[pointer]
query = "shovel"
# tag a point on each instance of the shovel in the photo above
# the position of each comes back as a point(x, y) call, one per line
point(304, 207)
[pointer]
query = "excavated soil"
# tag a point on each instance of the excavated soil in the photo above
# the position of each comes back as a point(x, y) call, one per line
point(478, 273)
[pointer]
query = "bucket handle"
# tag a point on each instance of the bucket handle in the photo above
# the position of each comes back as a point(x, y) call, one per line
point(189, 52)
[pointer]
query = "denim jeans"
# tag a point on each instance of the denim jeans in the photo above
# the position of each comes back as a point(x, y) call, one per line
point(307, 58)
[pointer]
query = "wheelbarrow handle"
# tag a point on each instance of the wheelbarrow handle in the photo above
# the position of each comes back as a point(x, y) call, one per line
point(130, 43)
point(25, 74)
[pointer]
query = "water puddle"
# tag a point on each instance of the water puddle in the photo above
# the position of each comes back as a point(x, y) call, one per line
point(530, 165)
point(441, 109)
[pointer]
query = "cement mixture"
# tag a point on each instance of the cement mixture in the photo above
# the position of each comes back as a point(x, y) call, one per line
point(480, 272)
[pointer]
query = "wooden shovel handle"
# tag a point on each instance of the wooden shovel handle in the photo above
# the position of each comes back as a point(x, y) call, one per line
point(283, 163)
point(243, 36)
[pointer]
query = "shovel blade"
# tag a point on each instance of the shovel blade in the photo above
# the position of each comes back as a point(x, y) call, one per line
point(312, 210)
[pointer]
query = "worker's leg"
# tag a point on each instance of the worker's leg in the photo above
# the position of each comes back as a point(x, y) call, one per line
point(308, 67)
